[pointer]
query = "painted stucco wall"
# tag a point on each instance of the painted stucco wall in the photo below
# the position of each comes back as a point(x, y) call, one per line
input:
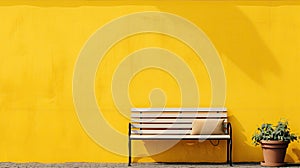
point(40, 42)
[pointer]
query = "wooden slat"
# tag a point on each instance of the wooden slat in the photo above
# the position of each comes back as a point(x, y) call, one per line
point(179, 120)
point(220, 109)
point(176, 137)
point(181, 126)
point(182, 115)
point(161, 132)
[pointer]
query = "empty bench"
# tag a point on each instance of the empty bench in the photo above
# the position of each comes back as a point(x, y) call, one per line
point(180, 124)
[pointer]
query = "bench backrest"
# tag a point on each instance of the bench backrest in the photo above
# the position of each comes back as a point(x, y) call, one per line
point(170, 121)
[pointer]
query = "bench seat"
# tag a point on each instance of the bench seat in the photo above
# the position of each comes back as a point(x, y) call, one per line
point(177, 124)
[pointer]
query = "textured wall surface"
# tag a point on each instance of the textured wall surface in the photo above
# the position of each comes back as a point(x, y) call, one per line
point(258, 44)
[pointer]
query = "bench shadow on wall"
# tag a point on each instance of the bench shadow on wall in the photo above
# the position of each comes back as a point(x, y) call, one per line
point(201, 151)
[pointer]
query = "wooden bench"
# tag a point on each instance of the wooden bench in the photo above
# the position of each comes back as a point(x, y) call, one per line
point(176, 124)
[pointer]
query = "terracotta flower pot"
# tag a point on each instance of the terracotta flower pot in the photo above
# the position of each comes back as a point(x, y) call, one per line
point(274, 152)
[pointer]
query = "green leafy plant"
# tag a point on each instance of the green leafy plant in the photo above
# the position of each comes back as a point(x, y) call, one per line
point(268, 132)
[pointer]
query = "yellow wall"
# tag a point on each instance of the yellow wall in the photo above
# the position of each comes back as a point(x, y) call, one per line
point(258, 43)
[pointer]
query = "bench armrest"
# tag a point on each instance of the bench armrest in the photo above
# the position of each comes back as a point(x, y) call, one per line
point(229, 128)
point(129, 129)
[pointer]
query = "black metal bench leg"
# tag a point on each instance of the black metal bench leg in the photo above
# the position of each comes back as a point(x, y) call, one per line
point(129, 152)
point(129, 144)
point(228, 151)
point(230, 146)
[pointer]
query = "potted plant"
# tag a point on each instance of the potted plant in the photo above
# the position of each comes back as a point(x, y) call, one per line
point(274, 141)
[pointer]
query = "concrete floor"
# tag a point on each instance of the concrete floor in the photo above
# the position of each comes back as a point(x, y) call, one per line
point(146, 165)
point(110, 165)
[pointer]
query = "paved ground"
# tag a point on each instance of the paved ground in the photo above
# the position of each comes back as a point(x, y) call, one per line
point(111, 165)
point(146, 165)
